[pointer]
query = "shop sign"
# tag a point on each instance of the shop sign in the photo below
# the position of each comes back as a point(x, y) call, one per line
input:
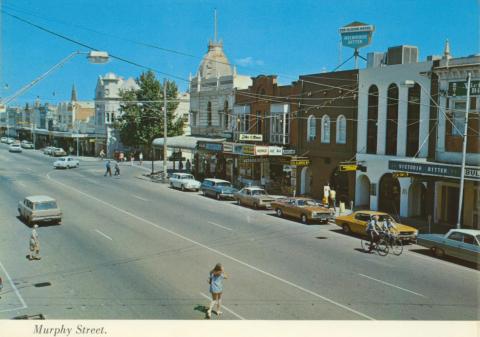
point(248, 149)
point(245, 160)
point(460, 88)
point(400, 174)
point(261, 150)
point(287, 168)
point(215, 147)
point(275, 151)
point(228, 147)
point(251, 137)
point(348, 167)
point(238, 148)
point(227, 135)
point(300, 162)
point(288, 152)
point(437, 170)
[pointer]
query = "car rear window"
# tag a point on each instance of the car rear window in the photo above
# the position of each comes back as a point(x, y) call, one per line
point(226, 184)
point(46, 205)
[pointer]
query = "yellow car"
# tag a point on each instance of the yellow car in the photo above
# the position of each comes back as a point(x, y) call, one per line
point(357, 223)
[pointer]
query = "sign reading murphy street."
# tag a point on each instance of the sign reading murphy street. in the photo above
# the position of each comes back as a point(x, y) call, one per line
point(435, 169)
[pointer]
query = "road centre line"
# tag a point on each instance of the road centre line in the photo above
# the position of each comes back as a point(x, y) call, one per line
point(216, 224)
point(103, 234)
point(214, 250)
point(15, 289)
point(139, 198)
point(225, 308)
point(392, 285)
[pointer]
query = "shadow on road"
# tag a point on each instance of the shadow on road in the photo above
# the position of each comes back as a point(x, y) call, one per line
point(203, 309)
point(42, 224)
point(427, 252)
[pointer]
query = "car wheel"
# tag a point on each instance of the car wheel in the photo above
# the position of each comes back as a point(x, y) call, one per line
point(78, 165)
point(218, 196)
point(183, 188)
point(255, 205)
point(239, 203)
point(304, 219)
point(346, 228)
point(203, 193)
point(439, 252)
point(279, 212)
point(171, 185)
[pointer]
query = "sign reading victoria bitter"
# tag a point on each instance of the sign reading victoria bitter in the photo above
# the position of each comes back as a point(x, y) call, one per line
point(435, 169)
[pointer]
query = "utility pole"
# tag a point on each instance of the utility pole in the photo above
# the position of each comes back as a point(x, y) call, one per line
point(165, 130)
point(464, 152)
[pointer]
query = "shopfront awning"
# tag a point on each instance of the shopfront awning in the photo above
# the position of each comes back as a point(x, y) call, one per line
point(185, 142)
point(435, 169)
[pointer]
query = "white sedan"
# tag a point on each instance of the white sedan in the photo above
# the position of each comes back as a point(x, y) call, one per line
point(66, 162)
point(14, 148)
point(184, 181)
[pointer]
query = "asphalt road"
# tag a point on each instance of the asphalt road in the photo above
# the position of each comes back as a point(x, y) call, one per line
point(132, 249)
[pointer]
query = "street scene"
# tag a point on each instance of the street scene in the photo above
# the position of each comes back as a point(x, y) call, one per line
point(144, 179)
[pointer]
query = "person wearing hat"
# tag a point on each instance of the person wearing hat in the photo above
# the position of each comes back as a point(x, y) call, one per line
point(34, 245)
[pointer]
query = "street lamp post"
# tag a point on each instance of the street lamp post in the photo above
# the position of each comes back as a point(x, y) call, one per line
point(165, 136)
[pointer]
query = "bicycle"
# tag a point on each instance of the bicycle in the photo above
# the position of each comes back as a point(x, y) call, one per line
point(395, 244)
point(381, 245)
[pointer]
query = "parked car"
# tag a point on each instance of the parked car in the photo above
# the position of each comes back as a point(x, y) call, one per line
point(460, 243)
point(218, 188)
point(48, 150)
point(10, 140)
point(255, 197)
point(357, 222)
point(15, 148)
point(3, 139)
point(66, 162)
point(58, 152)
point(25, 144)
point(184, 181)
point(39, 208)
point(305, 209)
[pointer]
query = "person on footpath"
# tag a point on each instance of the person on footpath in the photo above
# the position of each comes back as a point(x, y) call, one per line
point(180, 166)
point(140, 157)
point(34, 244)
point(217, 275)
point(188, 166)
point(108, 169)
point(132, 158)
point(102, 154)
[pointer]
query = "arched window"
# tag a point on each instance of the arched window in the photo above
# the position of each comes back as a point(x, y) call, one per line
point(311, 128)
point(372, 119)
point(209, 114)
point(392, 120)
point(225, 115)
point(413, 120)
point(341, 130)
point(325, 129)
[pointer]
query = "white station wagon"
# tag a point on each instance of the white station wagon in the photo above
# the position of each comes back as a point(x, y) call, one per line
point(66, 162)
point(39, 208)
point(184, 181)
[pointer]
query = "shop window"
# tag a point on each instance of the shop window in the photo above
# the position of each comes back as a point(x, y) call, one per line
point(392, 120)
point(325, 129)
point(311, 128)
point(413, 120)
point(341, 130)
point(209, 114)
point(225, 115)
point(372, 119)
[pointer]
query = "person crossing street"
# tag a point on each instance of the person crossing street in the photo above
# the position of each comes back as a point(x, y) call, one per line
point(217, 275)
point(34, 245)
point(108, 169)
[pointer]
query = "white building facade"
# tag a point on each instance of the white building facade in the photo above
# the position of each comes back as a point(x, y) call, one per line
point(107, 110)
point(393, 124)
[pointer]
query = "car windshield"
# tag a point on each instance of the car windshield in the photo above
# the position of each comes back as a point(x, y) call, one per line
point(223, 184)
point(258, 192)
point(46, 205)
point(62, 159)
point(187, 177)
point(307, 203)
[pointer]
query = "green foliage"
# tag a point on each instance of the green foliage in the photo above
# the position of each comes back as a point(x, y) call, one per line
point(142, 112)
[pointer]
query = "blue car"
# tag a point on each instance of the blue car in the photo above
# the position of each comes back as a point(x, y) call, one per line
point(220, 189)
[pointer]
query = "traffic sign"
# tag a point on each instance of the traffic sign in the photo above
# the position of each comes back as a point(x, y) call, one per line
point(348, 167)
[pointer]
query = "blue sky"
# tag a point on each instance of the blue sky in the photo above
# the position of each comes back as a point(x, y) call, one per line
point(289, 38)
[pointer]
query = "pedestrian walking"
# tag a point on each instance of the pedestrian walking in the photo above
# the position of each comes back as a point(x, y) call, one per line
point(132, 158)
point(34, 245)
point(188, 165)
point(121, 156)
point(117, 169)
point(140, 157)
point(180, 165)
point(102, 154)
point(216, 277)
point(108, 168)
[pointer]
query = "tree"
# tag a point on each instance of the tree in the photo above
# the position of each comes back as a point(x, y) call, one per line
point(141, 120)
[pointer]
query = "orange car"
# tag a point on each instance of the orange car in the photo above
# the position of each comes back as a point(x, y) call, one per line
point(307, 210)
point(356, 223)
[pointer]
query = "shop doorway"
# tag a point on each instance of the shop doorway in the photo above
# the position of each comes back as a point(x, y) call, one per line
point(306, 181)
point(416, 200)
point(339, 182)
point(449, 202)
point(363, 192)
point(389, 195)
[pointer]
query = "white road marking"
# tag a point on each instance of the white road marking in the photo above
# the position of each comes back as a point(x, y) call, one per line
point(103, 234)
point(216, 224)
point(225, 308)
point(392, 285)
point(214, 250)
point(139, 198)
point(24, 305)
